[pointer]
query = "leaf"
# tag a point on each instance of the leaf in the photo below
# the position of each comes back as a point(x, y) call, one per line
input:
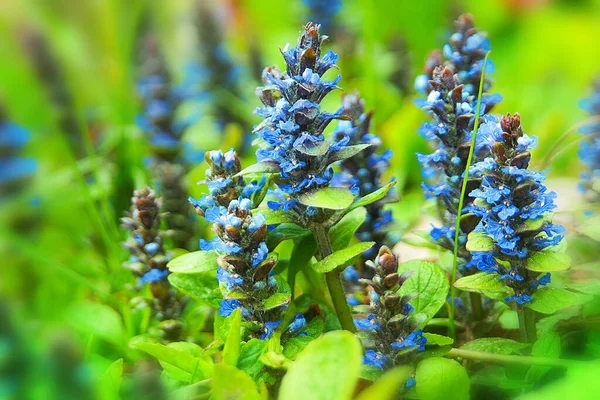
point(263, 167)
point(548, 261)
point(547, 345)
point(438, 340)
point(484, 283)
point(373, 197)
point(550, 300)
point(591, 228)
point(581, 382)
point(231, 351)
point(250, 354)
point(304, 249)
point(201, 286)
point(185, 362)
point(388, 386)
point(480, 242)
point(440, 379)
point(283, 232)
point(229, 383)
point(331, 198)
point(341, 233)
point(341, 258)
point(105, 324)
point(313, 374)
point(111, 380)
point(276, 300)
point(495, 345)
point(296, 344)
point(430, 282)
point(203, 368)
point(274, 217)
point(347, 152)
point(197, 261)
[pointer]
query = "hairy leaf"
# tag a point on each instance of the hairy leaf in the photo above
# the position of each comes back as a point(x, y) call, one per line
point(197, 261)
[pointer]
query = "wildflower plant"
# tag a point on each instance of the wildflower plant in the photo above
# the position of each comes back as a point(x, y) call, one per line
point(15, 170)
point(589, 151)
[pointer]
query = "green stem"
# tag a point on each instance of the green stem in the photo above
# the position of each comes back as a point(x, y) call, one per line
point(527, 324)
point(333, 281)
point(451, 328)
point(508, 359)
point(476, 305)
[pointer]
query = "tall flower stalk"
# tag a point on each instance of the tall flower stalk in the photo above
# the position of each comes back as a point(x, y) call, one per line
point(589, 151)
point(515, 210)
point(148, 260)
point(294, 144)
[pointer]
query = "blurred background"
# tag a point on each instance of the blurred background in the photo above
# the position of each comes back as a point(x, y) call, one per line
point(72, 151)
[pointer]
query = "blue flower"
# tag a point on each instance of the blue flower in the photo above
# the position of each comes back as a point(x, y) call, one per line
point(589, 150)
point(269, 328)
point(154, 275)
point(227, 307)
point(297, 324)
point(413, 340)
point(12, 166)
point(367, 324)
point(374, 359)
point(351, 274)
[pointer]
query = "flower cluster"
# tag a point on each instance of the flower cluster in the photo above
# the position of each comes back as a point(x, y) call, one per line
point(323, 12)
point(589, 152)
point(14, 169)
point(465, 53)
point(362, 173)
point(514, 207)
point(245, 267)
point(453, 112)
point(391, 336)
point(292, 129)
point(148, 258)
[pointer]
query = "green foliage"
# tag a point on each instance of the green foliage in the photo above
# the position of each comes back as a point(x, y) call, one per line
point(388, 386)
point(373, 197)
point(330, 198)
point(342, 232)
point(550, 300)
point(547, 345)
point(480, 242)
point(231, 383)
point(438, 378)
point(484, 283)
point(341, 258)
point(231, 351)
point(548, 260)
point(195, 262)
point(201, 286)
point(495, 345)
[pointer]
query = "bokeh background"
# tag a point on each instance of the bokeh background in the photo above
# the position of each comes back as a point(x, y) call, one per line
point(68, 72)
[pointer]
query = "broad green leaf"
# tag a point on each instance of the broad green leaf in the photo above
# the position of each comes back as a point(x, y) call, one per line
point(231, 351)
point(229, 383)
point(387, 387)
point(296, 344)
point(185, 362)
point(263, 167)
point(480, 242)
point(284, 232)
point(373, 197)
point(550, 300)
point(347, 152)
point(331, 198)
point(440, 379)
point(276, 300)
point(547, 345)
point(341, 258)
point(438, 340)
point(274, 217)
point(198, 261)
point(203, 368)
point(341, 233)
point(111, 380)
point(495, 345)
point(534, 225)
point(580, 382)
point(548, 261)
point(431, 284)
point(304, 249)
point(327, 369)
point(250, 354)
point(484, 283)
point(591, 228)
point(370, 373)
point(106, 323)
point(201, 286)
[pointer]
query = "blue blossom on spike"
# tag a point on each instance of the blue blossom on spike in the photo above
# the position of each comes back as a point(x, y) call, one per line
point(387, 326)
point(14, 169)
point(589, 151)
point(362, 173)
point(292, 129)
point(323, 12)
point(515, 210)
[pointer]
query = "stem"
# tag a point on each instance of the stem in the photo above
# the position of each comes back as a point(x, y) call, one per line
point(527, 324)
point(507, 359)
point(333, 281)
point(476, 306)
point(451, 327)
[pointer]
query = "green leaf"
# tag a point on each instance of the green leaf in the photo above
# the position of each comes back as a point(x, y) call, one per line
point(341, 233)
point(387, 387)
point(284, 232)
point(106, 323)
point(198, 261)
point(495, 345)
point(304, 249)
point(347, 152)
point(250, 354)
point(440, 379)
point(550, 300)
point(373, 197)
point(547, 345)
point(312, 375)
point(484, 283)
point(263, 167)
point(276, 300)
point(480, 242)
point(229, 383)
point(331, 198)
point(201, 286)
point(341, 257)
point(186, 363)
point(231, 351)
point(591, 228)
point(274, 217)
point(203, 368)
point(437, 340)
point(111, 381)
point(430, 282)
point(296, 344)
point(548, 261)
